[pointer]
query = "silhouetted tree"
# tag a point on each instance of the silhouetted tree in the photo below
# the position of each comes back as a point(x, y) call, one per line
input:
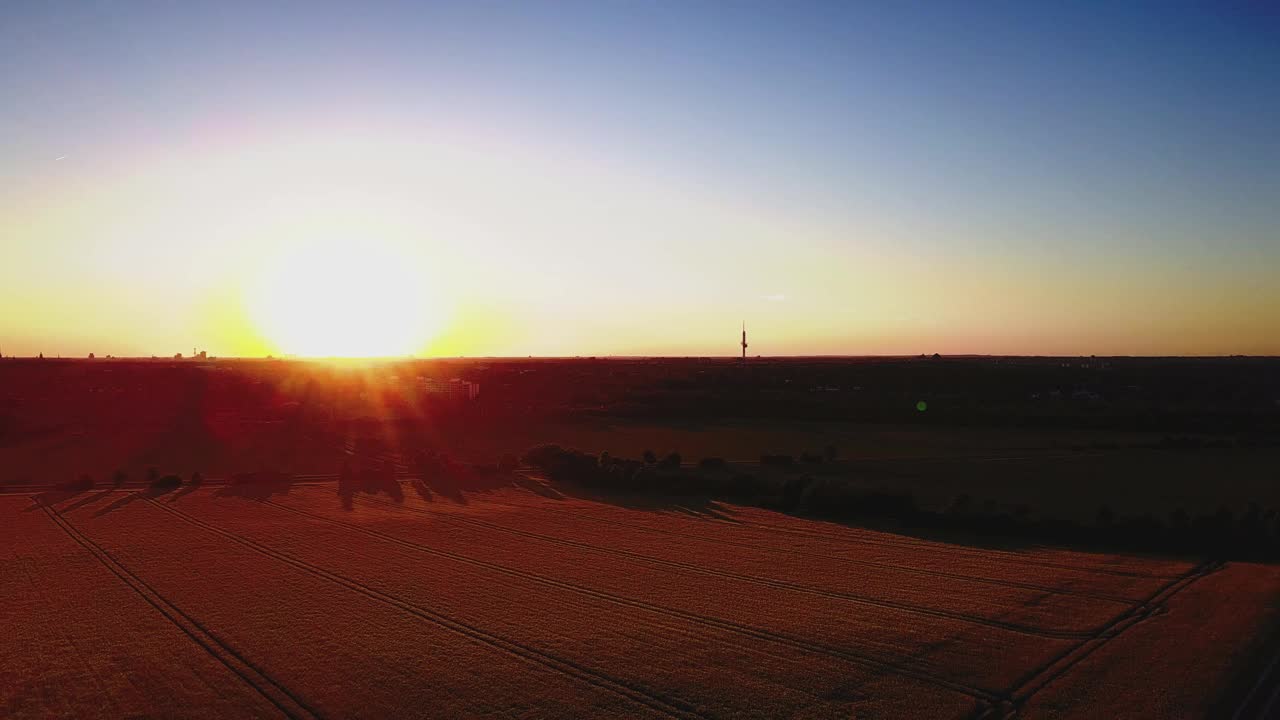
point(671, 461)
point(168, 482)
point(346, 479)
point(80, 484)
point(744, 485)
point(712, 463)
point(793, 490)
point(508, 463)
point(1105, 518)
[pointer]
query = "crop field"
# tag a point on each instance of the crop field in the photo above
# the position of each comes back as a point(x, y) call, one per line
point(216, 602)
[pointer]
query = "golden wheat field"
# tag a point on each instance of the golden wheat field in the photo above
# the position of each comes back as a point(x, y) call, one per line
point(213, 602)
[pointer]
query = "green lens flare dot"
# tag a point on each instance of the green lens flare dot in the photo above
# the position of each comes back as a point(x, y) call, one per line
point(922, 406)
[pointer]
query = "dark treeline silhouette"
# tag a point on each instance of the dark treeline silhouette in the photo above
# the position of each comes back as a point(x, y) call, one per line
point(1252, 535)
point(368, 476)
point(223, 415)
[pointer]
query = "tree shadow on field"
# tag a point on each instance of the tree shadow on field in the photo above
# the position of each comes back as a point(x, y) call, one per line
point(446, 487)
point(187, 489)
point(699, 506)
point(149, 493)
point(693, 504)
point(422, 490)
point(50, 498)
point(538, 488)
point(456, 486)
point(257, 486)
point(453, 481)
point(87, 500)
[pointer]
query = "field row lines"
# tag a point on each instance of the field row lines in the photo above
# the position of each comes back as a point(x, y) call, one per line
point(802, 553)
point(922, 544)
point(277, 694)
point(703, 620)
point(406, 472)
point(635, 693)
point(1023, 690)
point(752, 579)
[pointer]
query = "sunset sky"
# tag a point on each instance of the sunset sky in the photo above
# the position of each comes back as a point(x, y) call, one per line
point(639, 178)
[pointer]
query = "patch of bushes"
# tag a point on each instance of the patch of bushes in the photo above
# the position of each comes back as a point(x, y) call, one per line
point(260, 477)
point(166, 483)
point(508, 463)
point(84, 483)
point(369, 478)
point(712, 463)
point(560, 463)
point(670, 462)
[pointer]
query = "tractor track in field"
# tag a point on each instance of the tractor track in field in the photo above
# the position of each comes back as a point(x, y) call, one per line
point(273, 691)
point(635, 693)
point(767, 582)
point(1025, 688)
point(850, 561)
point(977, 693)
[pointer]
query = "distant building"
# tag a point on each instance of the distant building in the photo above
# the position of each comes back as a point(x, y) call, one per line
point(455, 389)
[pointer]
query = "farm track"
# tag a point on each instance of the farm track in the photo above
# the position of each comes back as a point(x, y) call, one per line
point(767, 582)
point(1023, 690)
point(801, 553)
point(982, 694)
point(253, 676)
point(527, 653)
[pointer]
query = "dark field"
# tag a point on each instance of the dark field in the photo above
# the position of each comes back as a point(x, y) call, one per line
point(1047, 538)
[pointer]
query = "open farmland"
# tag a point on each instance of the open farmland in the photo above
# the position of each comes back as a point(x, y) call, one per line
point(210, 603)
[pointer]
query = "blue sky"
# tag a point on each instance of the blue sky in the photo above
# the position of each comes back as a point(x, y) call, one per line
point(1129, 152)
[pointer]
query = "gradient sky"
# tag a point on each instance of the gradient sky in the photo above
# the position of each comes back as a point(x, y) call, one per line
point(640, 177)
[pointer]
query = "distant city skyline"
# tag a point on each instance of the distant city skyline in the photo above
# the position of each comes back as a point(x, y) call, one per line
point(578, 179)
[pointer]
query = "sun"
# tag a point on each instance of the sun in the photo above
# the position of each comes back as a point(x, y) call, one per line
point(344, 299)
